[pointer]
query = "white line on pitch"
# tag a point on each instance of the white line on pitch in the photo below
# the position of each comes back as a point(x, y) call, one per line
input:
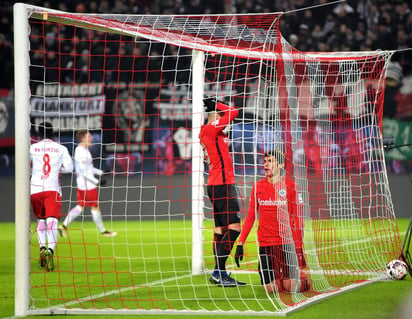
point(113, 292)
point(157, 282)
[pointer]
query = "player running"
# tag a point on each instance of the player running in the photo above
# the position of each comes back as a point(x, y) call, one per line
point(275, 199)
point(48, 160)
point(87, 192)
point(221, 187)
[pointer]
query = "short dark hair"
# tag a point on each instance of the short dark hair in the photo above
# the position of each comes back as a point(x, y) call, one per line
point(45, 130)
point(278, 155)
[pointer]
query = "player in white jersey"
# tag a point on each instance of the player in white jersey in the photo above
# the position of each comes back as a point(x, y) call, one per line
point(48, 160)
point(87, 192)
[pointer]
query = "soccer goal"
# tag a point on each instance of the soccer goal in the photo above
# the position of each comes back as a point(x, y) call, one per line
point(137, 83)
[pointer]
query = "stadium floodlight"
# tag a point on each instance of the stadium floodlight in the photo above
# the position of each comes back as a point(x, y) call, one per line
point(137, 83)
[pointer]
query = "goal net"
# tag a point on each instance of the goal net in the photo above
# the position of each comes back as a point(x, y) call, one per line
point(137, 82)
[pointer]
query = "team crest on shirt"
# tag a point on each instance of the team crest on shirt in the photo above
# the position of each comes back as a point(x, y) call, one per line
point(282, 192)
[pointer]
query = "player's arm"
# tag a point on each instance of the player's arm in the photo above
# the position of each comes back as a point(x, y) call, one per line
point(246, 227)
point(296, 221)
point(82, 169)
point(31, 161)
point(292, 204)
point(230, 113)
point(97, 171)
point(67, 163)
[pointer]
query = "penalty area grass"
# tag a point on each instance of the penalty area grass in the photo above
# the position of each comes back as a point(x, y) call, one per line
point(377, 300)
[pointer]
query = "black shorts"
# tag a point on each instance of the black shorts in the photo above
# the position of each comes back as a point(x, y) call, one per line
point(226, 209)
point(278, 262)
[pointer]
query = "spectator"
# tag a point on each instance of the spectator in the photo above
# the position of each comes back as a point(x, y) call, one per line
point(353, 25)
point(52, 67)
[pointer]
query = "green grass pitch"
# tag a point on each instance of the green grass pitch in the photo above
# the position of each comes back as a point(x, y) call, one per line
point(86, 249)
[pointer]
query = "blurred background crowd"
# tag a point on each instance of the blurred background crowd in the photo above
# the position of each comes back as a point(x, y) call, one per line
point(328, 26)
point(340, 26)
point(353, 25)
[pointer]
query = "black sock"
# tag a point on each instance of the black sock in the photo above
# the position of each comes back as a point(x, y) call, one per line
point(225, 247)
point(216, 241)
point(42, 248)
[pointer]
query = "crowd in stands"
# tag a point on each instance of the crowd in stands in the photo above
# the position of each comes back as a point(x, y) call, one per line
point(341, 26)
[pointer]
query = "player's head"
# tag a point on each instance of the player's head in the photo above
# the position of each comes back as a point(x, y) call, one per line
point(84, 137)
point(210, 105)
point(213, 116)
point(274, 163)
point(45, 130)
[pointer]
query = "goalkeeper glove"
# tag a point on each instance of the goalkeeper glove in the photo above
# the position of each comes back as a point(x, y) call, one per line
point(210, 104)
point(239, 254)
point(102, 182)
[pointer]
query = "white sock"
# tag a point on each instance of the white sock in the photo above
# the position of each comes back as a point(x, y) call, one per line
point(72, 215)
point(97, 218)
point(41, 232)
point(52, 232)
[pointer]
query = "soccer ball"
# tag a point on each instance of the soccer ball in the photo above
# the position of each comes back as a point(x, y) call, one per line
point(397, 269)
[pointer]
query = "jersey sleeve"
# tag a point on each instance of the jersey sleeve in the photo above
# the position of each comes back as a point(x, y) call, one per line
point(67, 162)
point(295, 206)
point(250, 218)
point(82, 167)
point(97, 171)
point(293, 197)
point(230, 114)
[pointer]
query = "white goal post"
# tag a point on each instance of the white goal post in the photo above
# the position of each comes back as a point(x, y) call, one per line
point(137, 83)
point(22, 172)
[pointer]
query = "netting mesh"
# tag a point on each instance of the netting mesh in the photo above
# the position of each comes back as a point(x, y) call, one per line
point(128, 80)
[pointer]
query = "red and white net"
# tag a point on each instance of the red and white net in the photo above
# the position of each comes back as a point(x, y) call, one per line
point(128, 79)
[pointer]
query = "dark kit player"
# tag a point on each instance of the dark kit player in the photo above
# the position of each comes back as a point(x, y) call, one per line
point(221, 187)
point(275, 200)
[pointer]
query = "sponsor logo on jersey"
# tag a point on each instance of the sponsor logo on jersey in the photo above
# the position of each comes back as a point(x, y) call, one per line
point(46, 149)
point(271, 202)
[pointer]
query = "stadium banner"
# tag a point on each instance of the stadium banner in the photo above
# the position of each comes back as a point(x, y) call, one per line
point(151, 125)
point(127, 119)
point(402, 134)
point(68, 106)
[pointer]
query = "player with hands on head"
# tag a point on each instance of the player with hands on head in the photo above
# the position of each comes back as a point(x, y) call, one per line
point(221, 187)
point(87, 185)
point(210, 104)
point(48, 159)
point(275, 199)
